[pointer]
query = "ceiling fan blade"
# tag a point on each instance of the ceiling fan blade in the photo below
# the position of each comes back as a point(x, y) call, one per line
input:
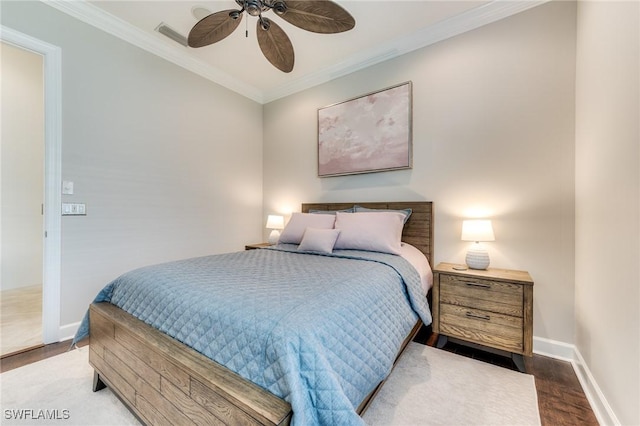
point(275, 45)
point(213, 28)
point(318, 16)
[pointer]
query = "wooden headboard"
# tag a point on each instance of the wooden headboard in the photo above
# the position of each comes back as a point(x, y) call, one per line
point(418, 231)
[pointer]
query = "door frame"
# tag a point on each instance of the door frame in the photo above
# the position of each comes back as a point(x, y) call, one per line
point(52, 69)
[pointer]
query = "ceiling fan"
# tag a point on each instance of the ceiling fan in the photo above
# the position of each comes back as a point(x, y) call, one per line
point(319, 16)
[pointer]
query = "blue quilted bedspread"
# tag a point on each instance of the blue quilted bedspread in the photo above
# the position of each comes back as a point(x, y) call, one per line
point(320, 331)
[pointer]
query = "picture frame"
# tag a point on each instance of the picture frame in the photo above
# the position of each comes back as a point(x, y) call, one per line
point(367, 134)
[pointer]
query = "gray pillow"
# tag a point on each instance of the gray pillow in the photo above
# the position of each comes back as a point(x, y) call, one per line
point(405, 212)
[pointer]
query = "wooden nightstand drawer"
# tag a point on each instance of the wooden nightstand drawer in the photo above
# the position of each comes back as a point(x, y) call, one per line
point(493, 296)
point(496, 330)
point(491, 307)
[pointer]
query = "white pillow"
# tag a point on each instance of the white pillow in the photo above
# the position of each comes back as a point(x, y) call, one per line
point(379, 231)
point(293, 232)
point(419, 261)
point(319, 240)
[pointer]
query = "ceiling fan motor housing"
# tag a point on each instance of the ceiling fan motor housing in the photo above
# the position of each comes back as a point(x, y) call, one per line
point(256, 7)
point(253, 7)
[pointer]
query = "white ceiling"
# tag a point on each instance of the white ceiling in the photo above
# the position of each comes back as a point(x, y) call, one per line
point(384, 29)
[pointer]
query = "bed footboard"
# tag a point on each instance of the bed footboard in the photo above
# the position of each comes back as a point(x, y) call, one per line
point(165, 382)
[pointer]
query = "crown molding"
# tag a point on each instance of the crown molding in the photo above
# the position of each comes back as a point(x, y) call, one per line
point(451, 27)
point(467, 21)
point(115, 26)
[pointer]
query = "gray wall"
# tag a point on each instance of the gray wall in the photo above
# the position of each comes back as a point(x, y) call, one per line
point(493, 127)
point(168, 163)
point(608, 201)
point(171, 165)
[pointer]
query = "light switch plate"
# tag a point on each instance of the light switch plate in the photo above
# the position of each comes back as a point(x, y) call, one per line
point(67, 187)
point(74, 209)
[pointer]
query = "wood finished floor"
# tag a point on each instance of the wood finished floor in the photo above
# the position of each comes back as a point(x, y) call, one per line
point(20, 319)
point(561, 400)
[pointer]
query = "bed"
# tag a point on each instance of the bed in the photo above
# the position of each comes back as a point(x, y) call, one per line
point(186, 370)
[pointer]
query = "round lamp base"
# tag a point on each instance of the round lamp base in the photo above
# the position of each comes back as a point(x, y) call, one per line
point(477, 257)
point(274, 236)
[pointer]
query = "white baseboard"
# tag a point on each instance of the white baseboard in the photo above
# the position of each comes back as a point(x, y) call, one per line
point(553, 349)
point(601, 408)
point(68, 331)
point(568, 352)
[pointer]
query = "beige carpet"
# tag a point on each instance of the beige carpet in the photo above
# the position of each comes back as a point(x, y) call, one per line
point(428, 386)
point(435, 387)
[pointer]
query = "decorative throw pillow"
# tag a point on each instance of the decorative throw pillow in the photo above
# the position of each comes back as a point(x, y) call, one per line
point(293, 232)
point(379, 231)
point(319, 240)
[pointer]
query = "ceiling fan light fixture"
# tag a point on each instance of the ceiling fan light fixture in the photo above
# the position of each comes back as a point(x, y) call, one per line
point(280, 8)
point(265, 24)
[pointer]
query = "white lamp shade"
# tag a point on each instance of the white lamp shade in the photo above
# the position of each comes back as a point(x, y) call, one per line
point(477, 230)
point(275, 222)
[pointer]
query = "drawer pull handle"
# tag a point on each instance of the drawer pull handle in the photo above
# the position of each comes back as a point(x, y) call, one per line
point(478, 316)
point(477, 284)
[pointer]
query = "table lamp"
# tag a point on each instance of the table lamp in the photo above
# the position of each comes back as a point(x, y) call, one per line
point(477, 231)
point(275, 223)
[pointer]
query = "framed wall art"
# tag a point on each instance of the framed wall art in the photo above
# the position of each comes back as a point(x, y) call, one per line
point(370, 133)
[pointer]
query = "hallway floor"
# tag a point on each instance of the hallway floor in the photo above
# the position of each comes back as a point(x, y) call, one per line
point(20, 319)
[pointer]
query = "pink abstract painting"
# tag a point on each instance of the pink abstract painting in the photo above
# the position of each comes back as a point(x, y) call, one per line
point(371, 133)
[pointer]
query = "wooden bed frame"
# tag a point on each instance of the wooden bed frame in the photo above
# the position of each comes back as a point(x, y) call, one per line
point(163, 381)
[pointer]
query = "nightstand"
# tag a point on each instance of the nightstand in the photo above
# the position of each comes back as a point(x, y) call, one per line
point(257, 246)
point(492, 308)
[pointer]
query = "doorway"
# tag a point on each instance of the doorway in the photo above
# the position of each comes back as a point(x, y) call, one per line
point(21, 198)
point(50, 184)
